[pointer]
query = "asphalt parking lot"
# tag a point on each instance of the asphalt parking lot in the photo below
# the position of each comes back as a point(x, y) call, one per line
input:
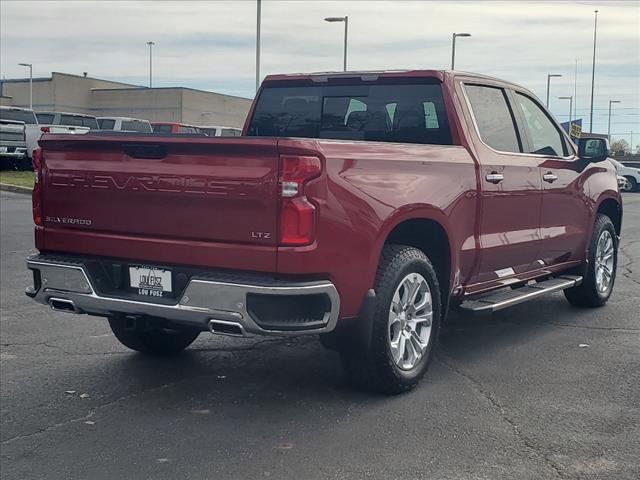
point(541, 391)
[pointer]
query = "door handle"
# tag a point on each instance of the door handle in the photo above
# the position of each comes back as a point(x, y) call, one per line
point(494, 177)
point(549, 177)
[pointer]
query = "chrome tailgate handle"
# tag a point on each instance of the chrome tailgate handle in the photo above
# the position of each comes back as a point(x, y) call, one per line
point(494, 177)
point(549, 177)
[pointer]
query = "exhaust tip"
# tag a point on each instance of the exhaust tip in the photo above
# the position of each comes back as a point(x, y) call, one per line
point(220, 327)
point(62, 305)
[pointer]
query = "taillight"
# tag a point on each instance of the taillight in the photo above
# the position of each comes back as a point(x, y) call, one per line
point(45, 129)
point(297, 214)
point(36, 198)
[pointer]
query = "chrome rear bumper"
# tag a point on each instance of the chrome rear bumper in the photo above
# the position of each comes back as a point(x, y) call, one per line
point(205, 303)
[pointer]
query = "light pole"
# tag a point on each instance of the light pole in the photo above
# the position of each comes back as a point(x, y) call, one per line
point(344, 19)
point(258, 11)
point(453, 47)
point(570, 98)
point(549, 84)
point(151, 44)
point(609, 127)
point(593, 70)
point(30, 82)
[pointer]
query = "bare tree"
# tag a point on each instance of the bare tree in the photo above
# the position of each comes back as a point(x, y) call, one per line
point(619, 147)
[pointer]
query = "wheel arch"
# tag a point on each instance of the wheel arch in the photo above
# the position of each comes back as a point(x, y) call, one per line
point(612, 208)
point(427, 230)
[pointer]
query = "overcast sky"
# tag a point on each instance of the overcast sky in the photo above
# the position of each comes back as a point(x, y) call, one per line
point(210, 45)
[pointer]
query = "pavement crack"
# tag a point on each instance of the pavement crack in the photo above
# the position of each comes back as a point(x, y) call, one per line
point(495, 404)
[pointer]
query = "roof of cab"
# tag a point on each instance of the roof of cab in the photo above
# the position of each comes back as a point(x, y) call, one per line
point(372, 75)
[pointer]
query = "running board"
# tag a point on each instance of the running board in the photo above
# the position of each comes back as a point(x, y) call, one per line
point(494, 301)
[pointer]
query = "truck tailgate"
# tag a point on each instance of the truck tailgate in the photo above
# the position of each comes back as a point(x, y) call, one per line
point(187, 189)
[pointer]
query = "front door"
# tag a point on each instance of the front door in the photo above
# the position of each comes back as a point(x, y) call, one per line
point(565, 220)
point(510, 191)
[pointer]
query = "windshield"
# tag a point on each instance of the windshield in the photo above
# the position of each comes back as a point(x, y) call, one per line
point(26, 116)
point(407, 113)
point(136, 126)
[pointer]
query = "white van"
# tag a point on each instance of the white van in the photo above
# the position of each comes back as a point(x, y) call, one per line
point(125, 124)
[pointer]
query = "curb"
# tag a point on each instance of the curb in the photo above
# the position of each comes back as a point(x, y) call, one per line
point(15, 188)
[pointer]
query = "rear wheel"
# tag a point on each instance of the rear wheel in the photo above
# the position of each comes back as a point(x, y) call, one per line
point(145, 337)
point(596, 287)
point(406, 321)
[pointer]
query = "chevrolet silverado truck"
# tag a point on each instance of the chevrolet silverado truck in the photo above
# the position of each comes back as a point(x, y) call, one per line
point(361, 206)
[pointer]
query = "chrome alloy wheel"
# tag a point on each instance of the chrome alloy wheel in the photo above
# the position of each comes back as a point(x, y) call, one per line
point(604, 261)
point(410, 317)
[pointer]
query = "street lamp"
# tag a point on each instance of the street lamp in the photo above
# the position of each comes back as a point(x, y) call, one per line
point(453, 47)
point(593, 70)
point(344, 19)
point(609, 127)
point(570, 98)
point(151, 44)
point(30, 82)
point(258, 10)
point(549, 83)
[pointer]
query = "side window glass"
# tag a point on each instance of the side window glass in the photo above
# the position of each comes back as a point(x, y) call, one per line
point(545, 137)
point(493, 117)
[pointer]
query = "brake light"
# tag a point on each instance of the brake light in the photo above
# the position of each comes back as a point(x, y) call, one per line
point(36, 194)
point(45, 129)
point(297, 214)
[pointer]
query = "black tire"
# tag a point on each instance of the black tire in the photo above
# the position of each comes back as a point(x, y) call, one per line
point(368, 361)
point(634, 185)
point(587, 294)
point(147, 338)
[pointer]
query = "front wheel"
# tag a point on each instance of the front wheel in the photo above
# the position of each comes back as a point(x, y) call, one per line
point(405, 324)
point(144, 337)
point(596, 287)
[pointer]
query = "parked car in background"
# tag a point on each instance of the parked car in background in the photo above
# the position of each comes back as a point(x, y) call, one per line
point(125, 124)
point(623, 184)
point(32, 129)
point(13, 145)
point(219, 131)
point(76, 122)
point(360, 206)
point(175, 128)
point(630, 173)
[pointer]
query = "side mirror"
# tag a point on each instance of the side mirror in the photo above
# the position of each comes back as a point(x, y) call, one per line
point(593, 149)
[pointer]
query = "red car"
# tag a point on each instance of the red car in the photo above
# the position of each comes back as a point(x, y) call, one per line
point(360, 206)
point(174, 128)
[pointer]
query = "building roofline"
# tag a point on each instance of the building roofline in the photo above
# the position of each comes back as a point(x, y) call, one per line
point(167, 88)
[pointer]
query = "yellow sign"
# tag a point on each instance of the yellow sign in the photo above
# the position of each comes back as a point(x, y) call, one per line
point(576, 130)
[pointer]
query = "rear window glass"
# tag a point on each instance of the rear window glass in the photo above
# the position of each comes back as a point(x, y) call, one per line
point(106, 123)
point(406, 113)
point(162, 128)
point(25, 116)
point(78, 121)
point(230, 132)
point(136, 126)
point(45, 118)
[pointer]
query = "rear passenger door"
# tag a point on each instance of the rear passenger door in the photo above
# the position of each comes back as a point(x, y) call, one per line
point(565, 218)
point(510, 189)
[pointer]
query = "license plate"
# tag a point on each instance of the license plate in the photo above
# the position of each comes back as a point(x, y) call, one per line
point(150, 281)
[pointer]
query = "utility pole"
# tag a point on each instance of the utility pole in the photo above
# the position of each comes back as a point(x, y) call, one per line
point(344, 19)
point(609, 127)
point(453, 47)
point(593, 70)
point(258, 11)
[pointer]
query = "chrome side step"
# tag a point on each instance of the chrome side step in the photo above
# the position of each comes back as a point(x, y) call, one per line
point(494, 301)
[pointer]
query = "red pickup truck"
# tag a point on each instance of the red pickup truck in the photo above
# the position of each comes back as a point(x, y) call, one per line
point(360, 206)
